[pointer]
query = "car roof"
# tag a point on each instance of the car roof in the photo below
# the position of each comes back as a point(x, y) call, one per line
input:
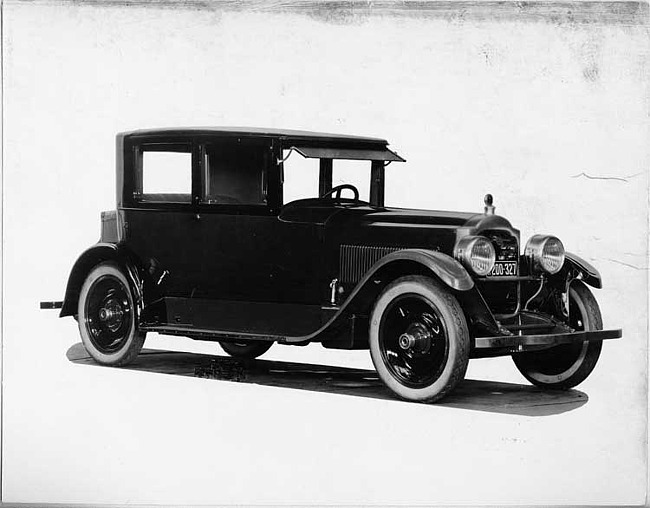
point(293, 136)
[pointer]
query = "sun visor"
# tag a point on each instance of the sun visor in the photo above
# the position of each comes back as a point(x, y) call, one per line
point(348, 153)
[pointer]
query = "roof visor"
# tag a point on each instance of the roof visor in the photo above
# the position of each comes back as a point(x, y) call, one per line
point(383, 154)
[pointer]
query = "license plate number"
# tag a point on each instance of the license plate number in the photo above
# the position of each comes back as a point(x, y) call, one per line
point(504, 269)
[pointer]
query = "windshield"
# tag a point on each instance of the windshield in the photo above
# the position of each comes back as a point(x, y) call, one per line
point(301, 177)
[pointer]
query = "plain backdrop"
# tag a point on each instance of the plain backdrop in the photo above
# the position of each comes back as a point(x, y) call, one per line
point(546, 112)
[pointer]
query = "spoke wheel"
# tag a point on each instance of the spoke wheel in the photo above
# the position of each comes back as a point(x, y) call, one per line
point(413, 341)
point(248, 350)
point(565, 366)
point(419, 341)
point(107, 316)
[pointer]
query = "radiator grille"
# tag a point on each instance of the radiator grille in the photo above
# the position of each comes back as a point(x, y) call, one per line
point(501, 296)
point(505, 245)
point(356, 260)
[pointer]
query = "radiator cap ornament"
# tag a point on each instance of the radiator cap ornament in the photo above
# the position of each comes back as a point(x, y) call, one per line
point(489, 208)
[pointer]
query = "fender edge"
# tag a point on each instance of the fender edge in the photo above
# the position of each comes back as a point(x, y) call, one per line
point(590, 275)
point(91, 257)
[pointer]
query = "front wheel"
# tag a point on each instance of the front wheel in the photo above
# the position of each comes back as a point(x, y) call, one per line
point(245, 350)
point(107, 316)
point(419, 342)
point(563, 367)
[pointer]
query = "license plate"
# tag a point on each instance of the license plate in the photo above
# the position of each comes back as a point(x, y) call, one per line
point(504, 269)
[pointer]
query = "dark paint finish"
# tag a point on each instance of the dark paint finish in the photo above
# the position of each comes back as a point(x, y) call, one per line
point(212, 265)
point(260, 258)
point(290, 136)
point(589, 274)
point(98, 253)
point(166, 240)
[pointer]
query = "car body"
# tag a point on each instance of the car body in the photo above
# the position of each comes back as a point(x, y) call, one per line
point(215, 253)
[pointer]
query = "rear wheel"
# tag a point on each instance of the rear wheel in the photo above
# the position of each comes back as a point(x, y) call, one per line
point(248, 350)
point(419, 342)
point(566, 366)
point(107, 316)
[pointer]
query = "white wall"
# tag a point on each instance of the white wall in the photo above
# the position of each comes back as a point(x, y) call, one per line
point(517, 108)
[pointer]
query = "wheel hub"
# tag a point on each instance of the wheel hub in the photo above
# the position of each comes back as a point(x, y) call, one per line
point(112, 314)
point(416, 338)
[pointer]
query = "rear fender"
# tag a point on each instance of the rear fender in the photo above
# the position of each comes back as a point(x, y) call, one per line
point(90, 258)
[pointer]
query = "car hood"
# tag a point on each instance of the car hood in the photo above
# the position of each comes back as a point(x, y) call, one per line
point(410, 218)
point(403, 216)
point(316, 211)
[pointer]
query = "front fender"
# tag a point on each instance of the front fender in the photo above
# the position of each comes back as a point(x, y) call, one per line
point(396, 264)
point(589, 274)
point(444, 267)
point(87, 260)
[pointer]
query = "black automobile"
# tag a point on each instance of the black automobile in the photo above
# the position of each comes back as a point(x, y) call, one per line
point(206, 243)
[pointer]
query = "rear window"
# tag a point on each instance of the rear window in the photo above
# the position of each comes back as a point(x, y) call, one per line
point(164, 174)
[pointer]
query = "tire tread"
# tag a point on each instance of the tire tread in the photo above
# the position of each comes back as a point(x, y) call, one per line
point(461, 336)
point(593, 352)
point(133, 346)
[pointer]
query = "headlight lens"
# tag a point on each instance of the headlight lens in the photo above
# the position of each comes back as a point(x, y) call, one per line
point(476, 253)
point(545, 253)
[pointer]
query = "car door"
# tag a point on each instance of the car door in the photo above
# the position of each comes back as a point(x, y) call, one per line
point(260, 275)
point(160, 218)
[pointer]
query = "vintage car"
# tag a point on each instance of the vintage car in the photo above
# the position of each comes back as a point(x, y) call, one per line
point(204, 244)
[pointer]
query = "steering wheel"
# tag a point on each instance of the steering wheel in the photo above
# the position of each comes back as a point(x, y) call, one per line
point(337, 190)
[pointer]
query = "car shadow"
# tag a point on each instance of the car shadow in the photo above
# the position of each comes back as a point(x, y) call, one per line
point(476, 395)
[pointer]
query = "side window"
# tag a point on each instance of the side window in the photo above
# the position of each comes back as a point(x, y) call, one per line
point(164, 174)
point(300, 177)
point(235, 173)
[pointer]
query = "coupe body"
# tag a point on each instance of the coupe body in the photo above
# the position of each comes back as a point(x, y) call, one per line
point(203, 243)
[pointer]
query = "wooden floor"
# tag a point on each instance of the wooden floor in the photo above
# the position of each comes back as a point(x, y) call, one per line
point(471, 394)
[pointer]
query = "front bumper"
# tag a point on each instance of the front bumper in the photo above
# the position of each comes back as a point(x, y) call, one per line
point(518, 343)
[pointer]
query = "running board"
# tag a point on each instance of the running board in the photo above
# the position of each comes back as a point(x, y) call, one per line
point(199, 333)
